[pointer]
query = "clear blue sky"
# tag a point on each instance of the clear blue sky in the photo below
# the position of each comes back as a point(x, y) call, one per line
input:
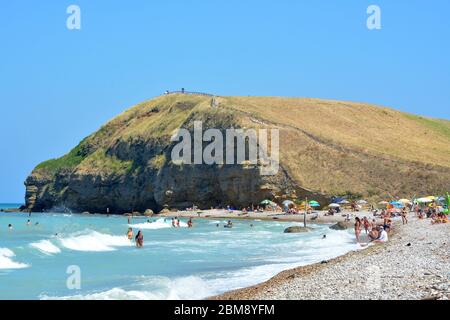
point(58, 86)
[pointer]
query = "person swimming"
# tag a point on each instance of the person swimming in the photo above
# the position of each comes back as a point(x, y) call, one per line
point(139, 239)
point(130, 233)
point(29, 222)
point(229, 224)
point(10, 227)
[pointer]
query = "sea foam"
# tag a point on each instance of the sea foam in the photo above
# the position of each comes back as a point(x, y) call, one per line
point(45, 246)
point(94, 241)
point(6, 261)
point(150, 288)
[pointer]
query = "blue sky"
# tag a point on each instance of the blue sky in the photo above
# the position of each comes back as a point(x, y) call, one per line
point(58, 85)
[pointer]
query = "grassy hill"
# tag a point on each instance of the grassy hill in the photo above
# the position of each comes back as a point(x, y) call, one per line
point(327, 147)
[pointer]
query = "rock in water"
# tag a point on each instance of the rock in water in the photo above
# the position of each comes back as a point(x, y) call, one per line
point(341, 226)
point(297, 229)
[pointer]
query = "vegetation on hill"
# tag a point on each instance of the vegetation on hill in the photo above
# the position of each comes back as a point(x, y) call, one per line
point(329, 147)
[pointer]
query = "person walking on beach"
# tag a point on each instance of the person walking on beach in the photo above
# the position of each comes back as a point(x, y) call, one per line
point(357, 228)
point(139, 239)
point(366, 224)
point(130, 233)
point(404, 216)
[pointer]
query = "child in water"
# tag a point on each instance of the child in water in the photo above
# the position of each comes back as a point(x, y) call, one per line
point(130, 233)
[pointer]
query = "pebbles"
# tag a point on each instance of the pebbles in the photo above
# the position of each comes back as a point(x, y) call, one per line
point(413, 265)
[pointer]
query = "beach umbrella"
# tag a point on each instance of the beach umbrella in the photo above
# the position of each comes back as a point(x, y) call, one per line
point(313, 203)
point(431, 197)
point(404, 201)
point(266, 202)
point(424, 200)
point(362, 202)
point(383, 202)
point(334, 205)
point(343, 202)
point(397, 204)
point(287, 202)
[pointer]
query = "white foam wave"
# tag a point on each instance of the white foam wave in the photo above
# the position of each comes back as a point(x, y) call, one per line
point(46, 247)
point(152, 288)
point(6, 261)
point(94, 241)
point(158, 224)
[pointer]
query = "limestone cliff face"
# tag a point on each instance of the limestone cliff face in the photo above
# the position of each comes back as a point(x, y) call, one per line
point(126, 165)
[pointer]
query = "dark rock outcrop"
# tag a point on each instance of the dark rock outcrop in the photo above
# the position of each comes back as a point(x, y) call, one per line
point(341, 225)
point(297, 229)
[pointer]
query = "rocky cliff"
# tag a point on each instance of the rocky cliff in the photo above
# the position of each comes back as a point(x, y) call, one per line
point(326, 148)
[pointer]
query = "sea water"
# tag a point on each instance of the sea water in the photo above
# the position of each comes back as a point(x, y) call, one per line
point(175, 263)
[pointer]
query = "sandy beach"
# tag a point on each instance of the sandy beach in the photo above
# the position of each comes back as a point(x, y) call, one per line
point(414, 264)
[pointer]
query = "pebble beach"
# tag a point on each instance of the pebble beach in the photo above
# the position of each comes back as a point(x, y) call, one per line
point(413, 265)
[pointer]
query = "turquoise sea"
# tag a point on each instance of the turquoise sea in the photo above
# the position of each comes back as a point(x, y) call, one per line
point(175, 263)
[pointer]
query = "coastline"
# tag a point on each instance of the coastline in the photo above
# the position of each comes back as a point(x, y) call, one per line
point(413, 265)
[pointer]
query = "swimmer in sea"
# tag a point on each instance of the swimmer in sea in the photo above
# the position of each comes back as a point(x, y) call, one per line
point(324, 236)
point(130, 233)
point(139, 239)
point(190, 224)
point(10, 226)
point(29, 223)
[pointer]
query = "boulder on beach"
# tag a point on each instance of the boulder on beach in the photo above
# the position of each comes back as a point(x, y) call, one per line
point(297, 229)
point(148, 212)
point(341, 226)
point(164, 211)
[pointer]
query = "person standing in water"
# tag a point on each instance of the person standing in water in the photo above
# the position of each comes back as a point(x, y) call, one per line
point(190, 224)
point(366, 224)
point(178, 222)
point(130, 233)
point(139, 239)
point(357, 228)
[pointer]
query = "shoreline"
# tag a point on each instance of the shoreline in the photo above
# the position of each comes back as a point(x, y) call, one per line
point(409, 266)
